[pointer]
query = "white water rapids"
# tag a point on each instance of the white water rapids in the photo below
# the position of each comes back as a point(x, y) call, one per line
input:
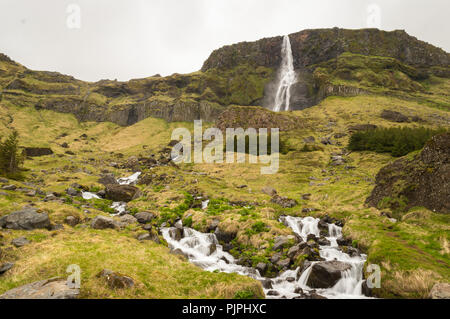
point(287, 77)
point(203, 250)
point(119, 207)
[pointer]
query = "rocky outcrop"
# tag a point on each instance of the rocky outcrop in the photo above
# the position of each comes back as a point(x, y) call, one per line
point(421, 181)
point(26, 219)
point(54, 288)
point(255, 117)
point(326, 274)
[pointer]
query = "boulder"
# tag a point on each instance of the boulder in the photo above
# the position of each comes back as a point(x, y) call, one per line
point(394, 116)
point(284, 201)
point(144, 217)
point(72, 191)
point(9, 187)
point(176, 233)
point(102, 222)
point(5, 267)
point(128, 219)
point(37, 151)
point(284, 263)
point(54, 288)
point(280, 242)
point(326, 274)
point(267, 283)
point(26, 219)
point(225, 236)
point(440, 291)
point(116, 280)
point(20, 241)
point(122, 193)
point(261, 267)
point(107, 179)
point(72, 220)
point(365, 290)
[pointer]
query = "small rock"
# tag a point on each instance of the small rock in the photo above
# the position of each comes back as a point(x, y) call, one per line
point(116, 280)
point(20, 242)
point(267, 283)
point(9, 187)
point(72, 220)
point(144, 217)
point(261, 267)
point(440, 291)
point(5, 267)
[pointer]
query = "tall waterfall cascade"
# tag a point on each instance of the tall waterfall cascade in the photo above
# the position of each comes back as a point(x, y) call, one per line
point(287, 77)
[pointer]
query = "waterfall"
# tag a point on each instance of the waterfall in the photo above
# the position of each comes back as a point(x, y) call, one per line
point(287, 77)
point(204, 250)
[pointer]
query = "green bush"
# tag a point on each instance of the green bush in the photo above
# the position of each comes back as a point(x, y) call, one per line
point(10, 157)
point(396, 141)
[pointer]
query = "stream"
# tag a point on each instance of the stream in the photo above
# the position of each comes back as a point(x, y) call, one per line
point(204, 250)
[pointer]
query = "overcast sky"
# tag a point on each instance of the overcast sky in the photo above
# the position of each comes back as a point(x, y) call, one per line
point(124, 39)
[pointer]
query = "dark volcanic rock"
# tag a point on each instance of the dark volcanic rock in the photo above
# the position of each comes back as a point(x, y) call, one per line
point(326, 274)
point(27, 219)
point(116, 280)
point(37, 151)
point(122, 193)
point(422, 181)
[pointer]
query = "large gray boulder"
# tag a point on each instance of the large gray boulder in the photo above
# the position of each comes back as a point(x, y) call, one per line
point(102, 222)
point(326, 274)
point(54, 288)
point(26, 219)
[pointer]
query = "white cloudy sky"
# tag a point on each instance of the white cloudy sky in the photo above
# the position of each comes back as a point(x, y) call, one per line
point(124, 39)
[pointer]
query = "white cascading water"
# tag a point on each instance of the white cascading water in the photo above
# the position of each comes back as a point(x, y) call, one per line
point(287, 77)
point(204, 251)
point(119, 207)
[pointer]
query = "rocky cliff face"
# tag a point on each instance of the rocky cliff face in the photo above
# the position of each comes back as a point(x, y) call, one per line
point(327, 62)
point(422, 181)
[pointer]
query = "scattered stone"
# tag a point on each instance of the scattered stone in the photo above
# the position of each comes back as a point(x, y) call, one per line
point(267, 283)
point(273, 293)
point(284, 263)
point(37, 151)
point(128, 219)
point(3, 180)
point(20, 242)
point(306, 196)
point(122, 193)
point(54, 288)
point(5, 267)
point(440, 291)
point(144, 217)
point(72, 191)
point(261, 267)
point(176, 233)
point(102, 222)
point(284, 201)
point(116, 280)
point(225, 236)
point(9, 187)
point(26, 219)
point(72, 220)
point(280, 242)
point(107, 179)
